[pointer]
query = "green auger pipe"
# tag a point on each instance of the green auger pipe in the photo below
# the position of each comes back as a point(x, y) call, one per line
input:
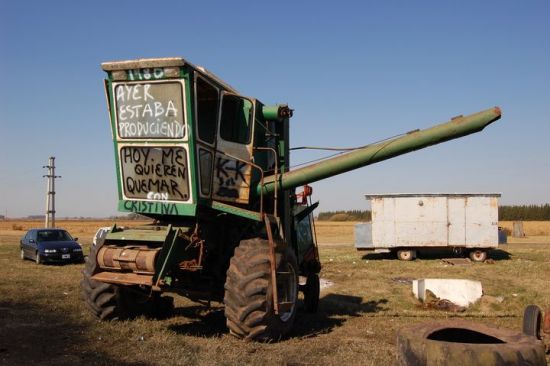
point(455, 128)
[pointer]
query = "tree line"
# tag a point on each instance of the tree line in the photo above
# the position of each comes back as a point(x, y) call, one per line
point(505, 213)
point(525, 212)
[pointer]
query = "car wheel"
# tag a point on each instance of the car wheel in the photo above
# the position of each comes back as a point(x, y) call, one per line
point(37, 258)
point(22, 254)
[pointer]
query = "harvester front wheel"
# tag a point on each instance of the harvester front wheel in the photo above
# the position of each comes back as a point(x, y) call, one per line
point(312, 291)
point(110, 302)
point(249, 293)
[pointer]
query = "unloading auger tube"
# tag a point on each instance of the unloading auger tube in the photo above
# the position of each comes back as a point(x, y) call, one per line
point(455, 128)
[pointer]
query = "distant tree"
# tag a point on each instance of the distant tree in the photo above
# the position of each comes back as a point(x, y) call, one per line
point(350, 215)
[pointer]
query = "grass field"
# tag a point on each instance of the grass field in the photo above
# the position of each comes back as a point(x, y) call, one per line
point(42, 320)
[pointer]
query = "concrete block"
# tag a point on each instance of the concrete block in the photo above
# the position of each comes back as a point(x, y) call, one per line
point(459, 292)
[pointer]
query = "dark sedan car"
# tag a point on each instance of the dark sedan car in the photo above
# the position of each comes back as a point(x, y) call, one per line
point(50, 245)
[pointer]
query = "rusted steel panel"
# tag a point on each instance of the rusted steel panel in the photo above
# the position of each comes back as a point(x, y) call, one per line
point(140, 259)
point(124, 278)
point(143, 63)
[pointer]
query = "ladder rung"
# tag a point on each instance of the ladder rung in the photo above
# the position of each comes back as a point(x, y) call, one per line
point(284, 273)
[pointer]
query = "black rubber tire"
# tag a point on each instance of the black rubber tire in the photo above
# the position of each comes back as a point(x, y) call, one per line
point(312, 290)
point(406, 254)
point(460, 342)
point(478, 255)
point(532, 320)
point(111, 302)
point(248, 292)
point(37, 258)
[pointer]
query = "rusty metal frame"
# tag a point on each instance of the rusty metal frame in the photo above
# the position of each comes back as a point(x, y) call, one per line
point(272, 261)
point(276, 177)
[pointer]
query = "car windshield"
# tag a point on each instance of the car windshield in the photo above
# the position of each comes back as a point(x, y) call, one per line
point(53, 235)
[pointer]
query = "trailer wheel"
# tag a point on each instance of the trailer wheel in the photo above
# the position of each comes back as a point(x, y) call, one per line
point(111, 302)
point(532, 320)
point(312, 291)
point(478, 255)
point(406, 254)
point(248, 292)
point(462, 342)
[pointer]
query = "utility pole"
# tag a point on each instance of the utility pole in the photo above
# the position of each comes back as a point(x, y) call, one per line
point(50, 193)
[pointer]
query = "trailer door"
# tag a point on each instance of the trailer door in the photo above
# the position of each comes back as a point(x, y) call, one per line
point(481, 222)
point(456, 215)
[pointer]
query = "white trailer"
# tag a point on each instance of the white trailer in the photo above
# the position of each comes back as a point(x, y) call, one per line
point(403, 223)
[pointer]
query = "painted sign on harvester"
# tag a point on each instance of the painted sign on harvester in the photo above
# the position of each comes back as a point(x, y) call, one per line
point(150, 110)
point(158, 174)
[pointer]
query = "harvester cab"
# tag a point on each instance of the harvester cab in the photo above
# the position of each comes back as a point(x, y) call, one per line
point(211, 168)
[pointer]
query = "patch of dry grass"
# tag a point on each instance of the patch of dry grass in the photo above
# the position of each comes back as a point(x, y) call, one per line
point(531, 228)
point(44, 322)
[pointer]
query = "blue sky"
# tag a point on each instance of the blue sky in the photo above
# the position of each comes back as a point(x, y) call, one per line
point(355, 72)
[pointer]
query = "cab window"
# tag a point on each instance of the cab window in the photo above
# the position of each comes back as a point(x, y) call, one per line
point(207, 110)
point(235, 119)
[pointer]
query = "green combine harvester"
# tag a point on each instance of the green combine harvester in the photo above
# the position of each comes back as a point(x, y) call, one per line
point(211, 168)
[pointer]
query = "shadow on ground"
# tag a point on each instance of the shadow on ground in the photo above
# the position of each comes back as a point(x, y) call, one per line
point(333, 309)
point(332, 313)
point(495, 254)
point(206, 322)
point(32, 335)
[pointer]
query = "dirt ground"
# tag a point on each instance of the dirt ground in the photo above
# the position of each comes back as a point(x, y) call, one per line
point(43, 321)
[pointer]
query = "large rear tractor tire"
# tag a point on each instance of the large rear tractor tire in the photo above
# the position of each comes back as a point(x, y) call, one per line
point(111, 302)
point(248, 292)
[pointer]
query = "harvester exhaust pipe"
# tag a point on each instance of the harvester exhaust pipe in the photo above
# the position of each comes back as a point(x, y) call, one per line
point(455, 128)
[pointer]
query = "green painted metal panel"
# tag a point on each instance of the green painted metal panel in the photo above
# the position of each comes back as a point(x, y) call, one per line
point(236, 211)
point(150, 234)
point(157, 207)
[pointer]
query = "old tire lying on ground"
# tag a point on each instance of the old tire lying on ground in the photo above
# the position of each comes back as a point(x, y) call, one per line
point(532, 320)
point(466, 343)
point(248, 295)
point(110, 302)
